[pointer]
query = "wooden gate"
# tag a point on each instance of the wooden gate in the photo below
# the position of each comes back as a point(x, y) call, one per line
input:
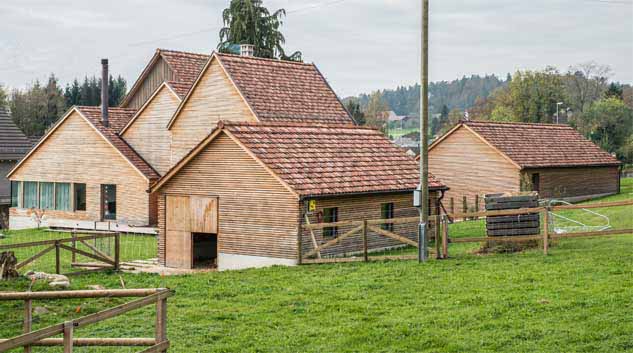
point(185, 215)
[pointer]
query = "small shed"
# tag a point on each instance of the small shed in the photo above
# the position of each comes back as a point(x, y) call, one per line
point(482, 157)
point(239, 198)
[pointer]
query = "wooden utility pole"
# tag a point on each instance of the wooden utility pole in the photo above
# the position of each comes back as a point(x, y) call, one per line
point(424, 137)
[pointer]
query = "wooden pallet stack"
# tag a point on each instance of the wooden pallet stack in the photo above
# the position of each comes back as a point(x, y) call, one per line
point(523, 224)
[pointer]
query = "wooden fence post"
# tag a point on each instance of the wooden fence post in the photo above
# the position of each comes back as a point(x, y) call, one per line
point(452, 205)
point(161, 321)
point(445, 238)
point(477, 204)
point(299, 236)
point(117, 251)
point(437, 224)
point(465, 204)
point(68, 336)
point(28, 321)
point(74, 245)
point(365, 247)
point(546, 231)
point(57, 259)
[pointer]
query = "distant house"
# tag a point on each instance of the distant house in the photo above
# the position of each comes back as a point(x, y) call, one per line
point(13, 146)
point(480, 157)
point(240, 196)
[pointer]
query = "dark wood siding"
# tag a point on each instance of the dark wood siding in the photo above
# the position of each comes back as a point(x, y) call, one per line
point(359, 207)
point(575, 182)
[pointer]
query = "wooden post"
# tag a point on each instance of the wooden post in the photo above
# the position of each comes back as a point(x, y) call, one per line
point(74, 245)
point(57, 259)
point(117, 251)
point(365, 250)
point(546, 231)
point(464, 204)
point(28, 321)
point(68, 336)
point(299, 235)
point(452, 205)
point(161, 321)
point(477, 204)
point(438, 253)
point(313, 237)
point(445, 238)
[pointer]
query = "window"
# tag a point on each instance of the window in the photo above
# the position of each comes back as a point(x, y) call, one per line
point(80, 197)
point(62, 196)
point(330, 215)
point(16, 188)
point(30, 194)
point(386, 212)
point(108, 205)
point(536, 182)
point(46, 196)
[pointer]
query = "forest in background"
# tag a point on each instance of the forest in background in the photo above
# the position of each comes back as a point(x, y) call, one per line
point(583, 96)
point(37, 107)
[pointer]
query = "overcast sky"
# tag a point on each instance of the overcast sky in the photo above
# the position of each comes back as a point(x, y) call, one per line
point(359, 45)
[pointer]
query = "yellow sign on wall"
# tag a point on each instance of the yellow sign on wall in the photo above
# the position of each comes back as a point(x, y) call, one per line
point(312, 205)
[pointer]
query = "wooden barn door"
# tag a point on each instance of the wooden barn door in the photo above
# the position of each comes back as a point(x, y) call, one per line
point(178, 250)
point(186, 215)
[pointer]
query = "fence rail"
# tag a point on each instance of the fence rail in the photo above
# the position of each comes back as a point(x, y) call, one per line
point(441, 233)
point(106, 262)
point(43, 337)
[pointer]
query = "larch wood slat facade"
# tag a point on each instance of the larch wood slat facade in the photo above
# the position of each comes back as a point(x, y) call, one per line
point(257, 215)
point(148, 134)
point(214, 98)
point(159, 73)
point(76, 153)
point(471, 165)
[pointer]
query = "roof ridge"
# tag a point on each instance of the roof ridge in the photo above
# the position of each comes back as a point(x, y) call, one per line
point(99, 107)
point(488, 122)
point(162, 50)
point(315, 125)
point(256, 58)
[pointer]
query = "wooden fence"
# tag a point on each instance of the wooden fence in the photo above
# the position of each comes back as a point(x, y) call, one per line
point(441, 233)
point(105, 262)
point(42, 337)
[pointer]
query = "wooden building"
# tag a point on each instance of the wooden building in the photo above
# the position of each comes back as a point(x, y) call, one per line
point(480, 157)
point(176, 102)
point(13, 146)
point(239, 197)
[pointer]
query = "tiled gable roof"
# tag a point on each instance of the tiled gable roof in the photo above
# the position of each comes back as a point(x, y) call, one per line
point(13, 143)
point(542, 145)
point(280, 90)
point(186, 66)
point(318, 159)
point(180, 88)
point(118, 118)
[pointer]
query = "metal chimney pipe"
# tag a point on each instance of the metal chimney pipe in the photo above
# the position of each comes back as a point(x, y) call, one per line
point(104, 92)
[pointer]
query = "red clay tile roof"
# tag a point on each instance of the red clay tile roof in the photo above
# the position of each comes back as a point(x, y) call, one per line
point(318, 159)
point(284, 90)
point(118, 118)
point(180, 88)
point(186, 66)
point(542, 145)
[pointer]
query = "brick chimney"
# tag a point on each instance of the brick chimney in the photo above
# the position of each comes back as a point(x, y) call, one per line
point(104, 92)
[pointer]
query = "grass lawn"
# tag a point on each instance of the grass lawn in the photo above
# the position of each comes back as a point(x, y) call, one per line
point(577, 299)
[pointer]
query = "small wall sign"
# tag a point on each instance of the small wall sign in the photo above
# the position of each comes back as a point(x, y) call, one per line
point(311, 205)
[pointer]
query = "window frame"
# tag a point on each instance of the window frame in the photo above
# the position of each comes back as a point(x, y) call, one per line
point(330, 215)
point(49, 205)
point(56, 194)
point(37, 194)
point(75, 204)
point(104, 206)
point(387, 212)
point(17, 198)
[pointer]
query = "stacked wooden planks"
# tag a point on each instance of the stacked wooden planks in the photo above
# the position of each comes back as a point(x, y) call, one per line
point(522, 224)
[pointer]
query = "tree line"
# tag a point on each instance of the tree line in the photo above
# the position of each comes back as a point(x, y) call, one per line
point(583, 96)
point(35, 108)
